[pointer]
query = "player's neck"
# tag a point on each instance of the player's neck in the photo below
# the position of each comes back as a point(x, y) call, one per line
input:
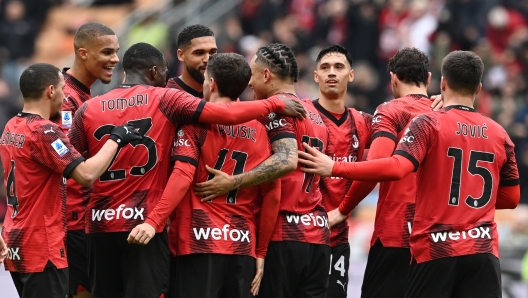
point(38, 108)
point(215, 97)
point(133, 78)
point(408, 89)
point(281, 88)
point(454, 99)
point(189, 81)
point(333, 104)
point(81, 74)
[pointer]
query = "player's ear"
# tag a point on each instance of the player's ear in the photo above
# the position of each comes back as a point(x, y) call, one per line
point(351, 76)
point(478, 89)
point(82, 53)
point(153, 73)
point(316, 77)
point(212, 86)
point(429, 75)
point(393, 78)
point(443, 84)
point(267, 75)
point(50, 91)
point(180, 55)
point(124, 77)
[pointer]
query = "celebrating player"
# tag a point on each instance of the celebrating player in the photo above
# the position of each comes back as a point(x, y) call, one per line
point(388, 260)
point(230, 148)
point(196, 43)
point(134, 182)
point(298, 256)
point(471, 159)
point(36, 154)
point(96, 49)
point(349, 134)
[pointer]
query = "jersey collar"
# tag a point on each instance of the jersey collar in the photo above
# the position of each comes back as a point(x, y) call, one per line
point(24, 114)
point(75, 81)
point(460, 107)
point(187, 89)
point(329, 115)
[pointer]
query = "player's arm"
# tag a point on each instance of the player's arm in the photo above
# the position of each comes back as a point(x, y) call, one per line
point(271, 193)
point(179, 182)
point(86, 172)
point(282, 161)
point(509, 192)
point(3, 250)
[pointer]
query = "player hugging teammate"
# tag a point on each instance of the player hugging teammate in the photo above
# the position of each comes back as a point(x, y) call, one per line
point(246, 186)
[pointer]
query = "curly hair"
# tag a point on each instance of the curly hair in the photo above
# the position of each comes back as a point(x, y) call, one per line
point(280, 60)
point(231, 73)
point(410, 65)
point(191, 32)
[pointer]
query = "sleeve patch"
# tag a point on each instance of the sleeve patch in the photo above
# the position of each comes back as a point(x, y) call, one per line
point(67, 119)
point(59, 147)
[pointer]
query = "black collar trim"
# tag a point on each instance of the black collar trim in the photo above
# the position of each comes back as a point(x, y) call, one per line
point(329, 115)
point(418, 95)
point(460, 107)
point(75, 81)
point(24, 114)
point(188, 89)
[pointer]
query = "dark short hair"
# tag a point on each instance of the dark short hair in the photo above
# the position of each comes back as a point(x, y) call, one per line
point(36, 78)
point(231, 73)
point(463, 71)
point(335, 49)
point(191, 32)
point(141, 57)
point(410, 65)
point(280, 60)
point(88, 32)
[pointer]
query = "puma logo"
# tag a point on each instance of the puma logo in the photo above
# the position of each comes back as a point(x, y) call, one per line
point(343, 285)
point(49, 130)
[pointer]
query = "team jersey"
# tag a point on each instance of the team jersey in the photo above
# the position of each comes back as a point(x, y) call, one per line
point(75, 94)
point(126, 193)
point(395, 210)
point(348, 138)
point(225, 225)
point(462, 158)
point(302, 216)
point(36, 154)
point(177, 83)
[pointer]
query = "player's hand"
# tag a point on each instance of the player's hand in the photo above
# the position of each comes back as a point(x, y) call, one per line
point(315, 162)
point(141, 234)
point(3, 250)
point(335, 217)
point(255, 284)
point(293, 108)
point(438, 102)
point(125, 134)
point(221, 184)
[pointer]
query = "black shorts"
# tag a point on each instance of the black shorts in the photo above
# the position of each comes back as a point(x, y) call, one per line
point(295, 270)
point(118, 268)
point(77, 261)
point(52, 283)
point(212, 276)
point(338, 279)
point(466, 276)
point(386, 272)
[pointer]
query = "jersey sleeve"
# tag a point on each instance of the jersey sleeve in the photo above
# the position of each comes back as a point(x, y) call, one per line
point(188, 142)
point(416, 140)
point(76, 134)
point(51, 148)
point(385, 122)
point(368, 123)
point(179, 107)
point(278, 126)
point(509, 174)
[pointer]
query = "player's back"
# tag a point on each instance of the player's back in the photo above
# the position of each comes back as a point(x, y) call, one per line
point(302, 216)
point(32, 151)
point(458, 180)
point(395, 210)
point(125, 194)
point(226, 224)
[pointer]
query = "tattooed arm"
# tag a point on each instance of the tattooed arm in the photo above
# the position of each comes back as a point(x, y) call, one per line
point(283, 161)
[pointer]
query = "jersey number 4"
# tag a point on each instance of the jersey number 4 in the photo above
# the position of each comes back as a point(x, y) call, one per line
point(240, 158)
point(473, 169)
point(143, 126)
point(12, 198)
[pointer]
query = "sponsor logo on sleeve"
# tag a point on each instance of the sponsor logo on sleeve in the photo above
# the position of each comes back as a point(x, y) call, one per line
point(407, 136)
point(59, 147)
point(376, 118)
point(180, 141)
point(67, 119)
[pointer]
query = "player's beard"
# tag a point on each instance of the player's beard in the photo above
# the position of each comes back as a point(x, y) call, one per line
point(195, 74)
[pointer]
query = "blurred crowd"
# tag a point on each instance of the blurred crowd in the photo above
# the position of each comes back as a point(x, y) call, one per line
point(372, 30)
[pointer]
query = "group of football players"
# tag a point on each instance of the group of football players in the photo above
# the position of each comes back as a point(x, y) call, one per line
point(172, 187)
